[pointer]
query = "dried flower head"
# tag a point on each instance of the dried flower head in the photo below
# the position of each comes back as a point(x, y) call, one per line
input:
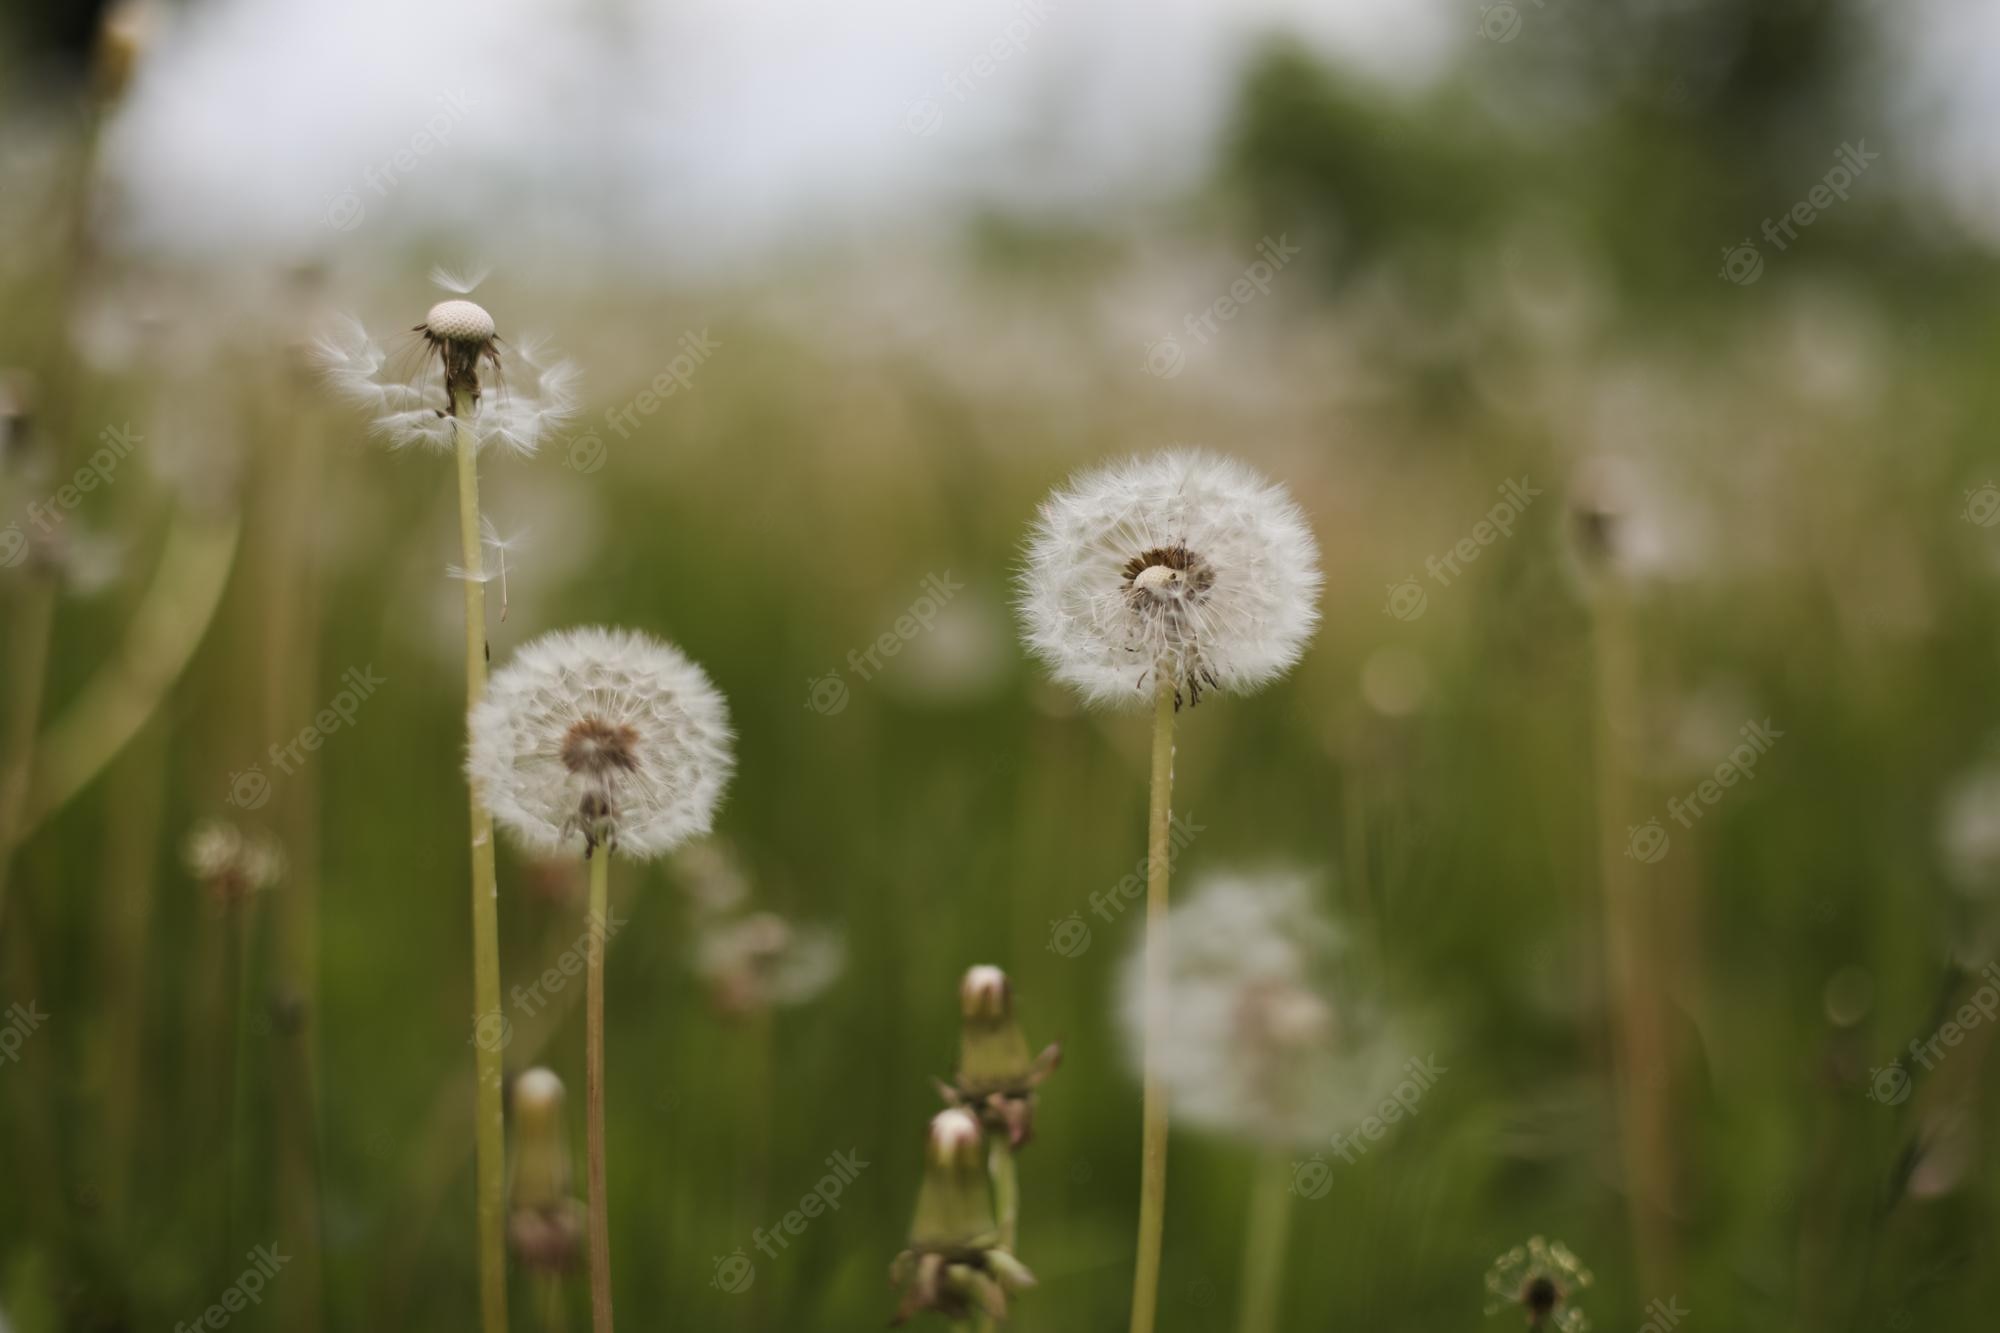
point(1539, 1279)
point(601, 736)
point(546, 1222)
point(1185, 563)
point(997, 1076)
point(954, 1263)
point(1271, 1031)
point(534, 392)
point(230, 863)
point(759, 961)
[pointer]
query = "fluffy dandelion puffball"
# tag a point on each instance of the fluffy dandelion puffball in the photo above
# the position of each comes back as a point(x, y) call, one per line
point(601, 736)
point(1185, 563)
point(1271, 1033)
point(519, 394)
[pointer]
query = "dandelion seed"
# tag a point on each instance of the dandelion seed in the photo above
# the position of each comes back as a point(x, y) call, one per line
point(1184, 563)
point(1539, 1279)
point(600, 736)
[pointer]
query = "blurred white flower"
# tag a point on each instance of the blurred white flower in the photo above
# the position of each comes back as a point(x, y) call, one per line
point(1269, 1033)
point(601, 736)
point(1184, 562)
point(531, 393)
point(1969, 831)
point(762, 960)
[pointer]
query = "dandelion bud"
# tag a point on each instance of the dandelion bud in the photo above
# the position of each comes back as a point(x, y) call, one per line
point(954, 1264)
point(997, 1075)
point(546, 1225)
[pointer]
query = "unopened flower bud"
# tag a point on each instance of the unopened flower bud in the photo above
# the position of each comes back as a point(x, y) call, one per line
point(954, 1202)
point(546, 1224)
point(997, 1073)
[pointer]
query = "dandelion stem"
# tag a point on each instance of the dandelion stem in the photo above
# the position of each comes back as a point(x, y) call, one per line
point(1264, 1243)
point(1153, 1159)
point(24, 710)
point(1006, 1190)
point(489, 1129)
point(593, 1093)
point(555, 1319)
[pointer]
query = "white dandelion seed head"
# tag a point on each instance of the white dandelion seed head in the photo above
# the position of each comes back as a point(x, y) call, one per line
point(528, 394)
point(1185, 562)
point(604, 735)
point(1271, 1034)
point(460, 321)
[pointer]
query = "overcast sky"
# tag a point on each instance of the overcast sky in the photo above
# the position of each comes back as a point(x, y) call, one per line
point(698, 132)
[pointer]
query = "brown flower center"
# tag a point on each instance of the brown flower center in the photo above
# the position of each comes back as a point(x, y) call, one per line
point(1167, 575)
point(595, 748)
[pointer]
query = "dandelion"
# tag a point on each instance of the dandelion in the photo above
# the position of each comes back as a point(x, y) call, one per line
point(596, 739)
point(534, 394)
point(760, 961)
point(230, 863)
point(1270, 1035)
point(1539, 1279)
point(1185, 569)
point(1156, 578)
point(546, 1223)
point(954, 1263)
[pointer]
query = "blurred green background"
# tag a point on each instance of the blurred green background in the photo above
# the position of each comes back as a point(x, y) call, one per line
point(1764, 496)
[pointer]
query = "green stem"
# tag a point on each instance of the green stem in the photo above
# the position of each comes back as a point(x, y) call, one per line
point(242, 927)
point(555, 1317)
point(30, 637)
point(1153, 1158)
point(600, 1213)
point(1006, 1190)
point(489, 1133)
point(1264, 1245)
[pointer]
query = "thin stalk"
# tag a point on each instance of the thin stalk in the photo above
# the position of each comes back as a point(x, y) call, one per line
point(593, 1085)
point(242, 928)
point(1006, 1190)
point(488, 1123)
point(1153, 1150)
point(555, 1315)
point(24, 709)
point(1264, 1243)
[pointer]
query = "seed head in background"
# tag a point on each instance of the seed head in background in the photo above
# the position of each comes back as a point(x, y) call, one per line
point(954, 1263)
point(534, 393)
point(232, 864)
point(997, 1076)
point(601, 737)
point(1185, 562)
point(1270, 1033)
point(1539, 1279)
